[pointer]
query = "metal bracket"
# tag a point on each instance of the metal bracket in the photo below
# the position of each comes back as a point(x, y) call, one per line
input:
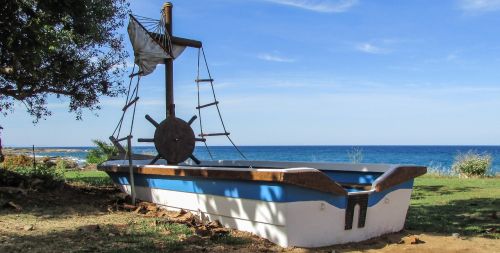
point(352, 201)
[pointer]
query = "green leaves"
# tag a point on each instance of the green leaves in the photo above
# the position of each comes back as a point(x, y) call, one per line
point(67, 48)
point(103, 152)
point(473, 164)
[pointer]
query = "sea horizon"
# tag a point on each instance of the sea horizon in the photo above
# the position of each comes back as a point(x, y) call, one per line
point(436, 157)
point(294, 145)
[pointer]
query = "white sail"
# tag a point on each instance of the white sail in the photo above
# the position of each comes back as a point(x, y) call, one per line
point(147, 52)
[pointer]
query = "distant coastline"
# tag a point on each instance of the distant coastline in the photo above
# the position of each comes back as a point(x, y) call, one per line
point(437, 157)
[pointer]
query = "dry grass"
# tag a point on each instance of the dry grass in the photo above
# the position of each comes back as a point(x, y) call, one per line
point(78, 218)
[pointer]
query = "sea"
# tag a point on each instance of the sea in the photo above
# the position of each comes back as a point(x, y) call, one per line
point(437, 158)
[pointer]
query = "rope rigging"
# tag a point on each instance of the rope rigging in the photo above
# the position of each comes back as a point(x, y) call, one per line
point(201, 52)
point(156, 30)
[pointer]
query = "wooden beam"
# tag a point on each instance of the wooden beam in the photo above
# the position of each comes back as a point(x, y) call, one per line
point(186, 42)
point(180, 41)
point(169, 64)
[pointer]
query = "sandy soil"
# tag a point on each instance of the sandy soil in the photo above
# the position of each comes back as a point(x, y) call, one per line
point(75, 219)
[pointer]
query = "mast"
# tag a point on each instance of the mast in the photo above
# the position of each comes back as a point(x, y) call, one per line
point(169, 64)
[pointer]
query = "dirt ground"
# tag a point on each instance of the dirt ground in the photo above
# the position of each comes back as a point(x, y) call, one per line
point(86, 219)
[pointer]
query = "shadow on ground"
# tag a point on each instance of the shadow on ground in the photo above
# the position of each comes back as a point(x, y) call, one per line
point(470, 217)
point(60, 202)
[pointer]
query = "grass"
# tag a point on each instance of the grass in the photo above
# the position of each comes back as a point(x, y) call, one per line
point(441, 205)
point(453, 205)
point(91, 178)
point(151, 234)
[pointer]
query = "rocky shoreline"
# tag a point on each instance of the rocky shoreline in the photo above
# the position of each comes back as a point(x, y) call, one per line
point(71, 162)
point(29, 151)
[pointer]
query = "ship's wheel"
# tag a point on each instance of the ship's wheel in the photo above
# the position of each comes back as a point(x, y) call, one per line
point(174, 140)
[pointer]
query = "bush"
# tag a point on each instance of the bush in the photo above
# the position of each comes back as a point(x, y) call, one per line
point(42, 172)
point(102, 153)
point(472, 164)
point(15, 161)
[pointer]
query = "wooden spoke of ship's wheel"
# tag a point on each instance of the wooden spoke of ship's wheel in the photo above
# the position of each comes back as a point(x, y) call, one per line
point(174, 140)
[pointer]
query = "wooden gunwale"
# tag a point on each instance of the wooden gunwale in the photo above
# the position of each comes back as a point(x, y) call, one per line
point(307, 178)
point(397, 176)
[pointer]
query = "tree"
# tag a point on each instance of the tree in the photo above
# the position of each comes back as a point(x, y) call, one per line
point(62, 48)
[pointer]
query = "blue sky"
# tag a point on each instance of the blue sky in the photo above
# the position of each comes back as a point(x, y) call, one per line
point(317, 72)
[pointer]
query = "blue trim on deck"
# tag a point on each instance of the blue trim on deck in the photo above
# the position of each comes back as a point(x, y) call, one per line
point(263, 191)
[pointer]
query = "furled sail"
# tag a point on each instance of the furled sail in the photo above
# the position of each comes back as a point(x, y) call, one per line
point(151, 47)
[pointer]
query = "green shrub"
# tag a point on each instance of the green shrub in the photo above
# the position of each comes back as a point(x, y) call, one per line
point(472, 164)
point(102, 153)
point(42, 172)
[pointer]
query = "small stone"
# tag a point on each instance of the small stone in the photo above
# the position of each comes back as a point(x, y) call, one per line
point(199, 248)
point(28, 228)
point(491, 230)
point(411, 240)
point(111, 235)
point(90, 228)
point(219, 248)
point(214, 224)
point(193, 239)
point(202, 231)
point(15, 206)
point(456, 235)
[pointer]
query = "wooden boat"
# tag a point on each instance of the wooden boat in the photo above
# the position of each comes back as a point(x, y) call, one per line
point(290, 203)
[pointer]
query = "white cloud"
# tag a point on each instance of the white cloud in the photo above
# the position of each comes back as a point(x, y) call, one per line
point(274, 58)
point(328, 6)
point(480, 5)
point(370, 48)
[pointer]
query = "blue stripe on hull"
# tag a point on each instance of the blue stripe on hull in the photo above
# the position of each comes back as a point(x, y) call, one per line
point(264, 191)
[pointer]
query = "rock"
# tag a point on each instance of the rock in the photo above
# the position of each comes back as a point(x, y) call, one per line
point(219, 248)
point(199, 248)
point(28, 228)
point(220, 231)
point(111, 235)
point(193, 239)
point(90, 228)
point(202, 231)
point(36, 182)
point(15, 206)
point(456, 235)
point(491, 230)
point(152, 208)
point(188, 218)
point(412, 239)
point(214, 224)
